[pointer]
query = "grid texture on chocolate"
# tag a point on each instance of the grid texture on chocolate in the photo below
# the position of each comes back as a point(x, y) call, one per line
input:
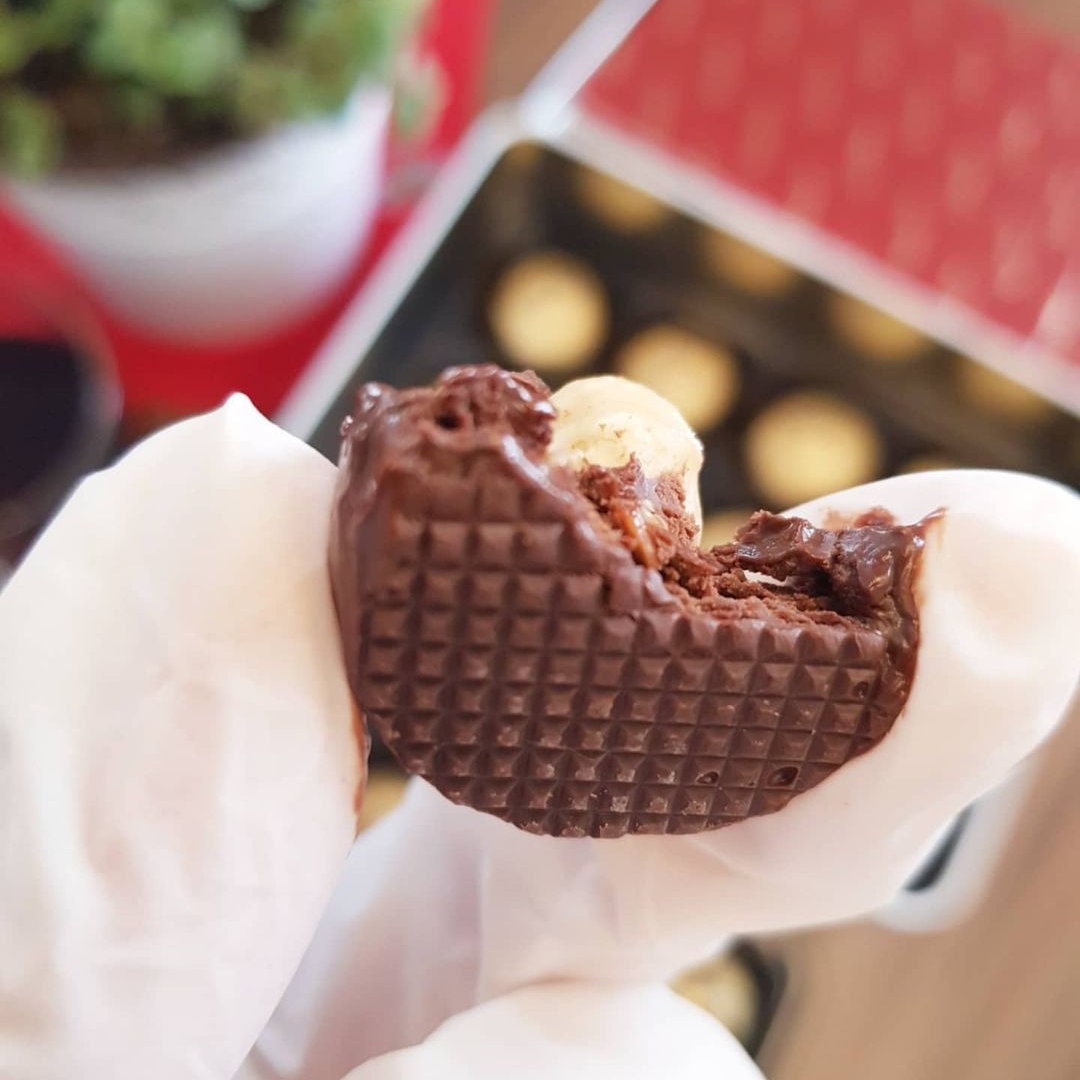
point(511, 654)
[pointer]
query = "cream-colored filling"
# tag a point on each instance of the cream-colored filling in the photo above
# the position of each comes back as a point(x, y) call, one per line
point(605, 420)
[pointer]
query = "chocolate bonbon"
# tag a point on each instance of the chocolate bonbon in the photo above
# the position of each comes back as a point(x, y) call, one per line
point(552, 648)
point(807, 444)
point(549, 310)
point(700, 378)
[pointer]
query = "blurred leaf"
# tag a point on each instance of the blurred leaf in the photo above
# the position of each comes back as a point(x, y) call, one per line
point(139, 107)
point(269, 89)
point(186, 52)
point(56, 24)
point(124, 39)
point(196, 69)
point(16, 42)
point(30, 134)
point(198, 53)
point(338, 42)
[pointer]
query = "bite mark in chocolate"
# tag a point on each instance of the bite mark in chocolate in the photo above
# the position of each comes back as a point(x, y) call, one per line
point(553, 648)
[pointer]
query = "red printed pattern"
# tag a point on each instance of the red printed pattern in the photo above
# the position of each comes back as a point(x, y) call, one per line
point(937, 135)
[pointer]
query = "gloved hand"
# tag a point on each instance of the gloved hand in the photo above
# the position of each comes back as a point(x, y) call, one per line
point(180, 768)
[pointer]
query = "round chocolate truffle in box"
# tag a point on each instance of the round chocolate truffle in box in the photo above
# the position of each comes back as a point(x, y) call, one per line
point(808, 444)
point(991, 392)
point(929, 463)
point(551, 646)
point(619, 205)
point(725, 989)
point(385, 788)
point(549, 311)
point(699, 378)
point(747, 267)
point(873, 333)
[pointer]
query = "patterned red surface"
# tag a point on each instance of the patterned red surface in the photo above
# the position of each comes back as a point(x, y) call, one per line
point(937, 135)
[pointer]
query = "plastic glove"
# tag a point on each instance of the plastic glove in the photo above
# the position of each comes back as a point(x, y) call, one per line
point(179, 764)
point(588, 1031)
point(179, 768)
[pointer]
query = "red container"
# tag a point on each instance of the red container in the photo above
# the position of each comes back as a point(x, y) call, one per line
point(922, 153)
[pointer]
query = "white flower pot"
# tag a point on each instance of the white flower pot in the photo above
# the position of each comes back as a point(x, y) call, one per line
point(233, 243)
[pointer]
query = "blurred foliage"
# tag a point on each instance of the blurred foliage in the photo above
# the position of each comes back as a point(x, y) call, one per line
point(128, 80)
point(29, 133)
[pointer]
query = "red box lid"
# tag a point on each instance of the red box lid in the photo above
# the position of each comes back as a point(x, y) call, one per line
point(939, 137)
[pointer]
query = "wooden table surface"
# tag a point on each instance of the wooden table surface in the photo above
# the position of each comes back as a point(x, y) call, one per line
point(997, 998)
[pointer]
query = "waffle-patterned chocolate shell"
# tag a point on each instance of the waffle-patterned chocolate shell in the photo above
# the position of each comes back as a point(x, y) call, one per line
point(508, 649)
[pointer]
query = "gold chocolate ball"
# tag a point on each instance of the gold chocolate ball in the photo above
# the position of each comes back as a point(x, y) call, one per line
point(929, 463)
point(699, 378)
point(384, 790)
point(810, 444)
point(999, 395)
point(725, 989)
point(549, 311)
point(618, 204)
point(748, 267)
point(870, 331)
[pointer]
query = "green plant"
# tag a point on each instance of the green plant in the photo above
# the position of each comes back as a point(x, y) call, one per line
point(127, 81)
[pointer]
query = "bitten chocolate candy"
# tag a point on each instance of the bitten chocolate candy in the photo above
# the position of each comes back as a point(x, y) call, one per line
point(554, 649)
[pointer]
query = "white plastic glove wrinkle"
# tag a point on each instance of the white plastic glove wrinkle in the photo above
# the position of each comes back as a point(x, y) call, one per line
point(171, 705)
